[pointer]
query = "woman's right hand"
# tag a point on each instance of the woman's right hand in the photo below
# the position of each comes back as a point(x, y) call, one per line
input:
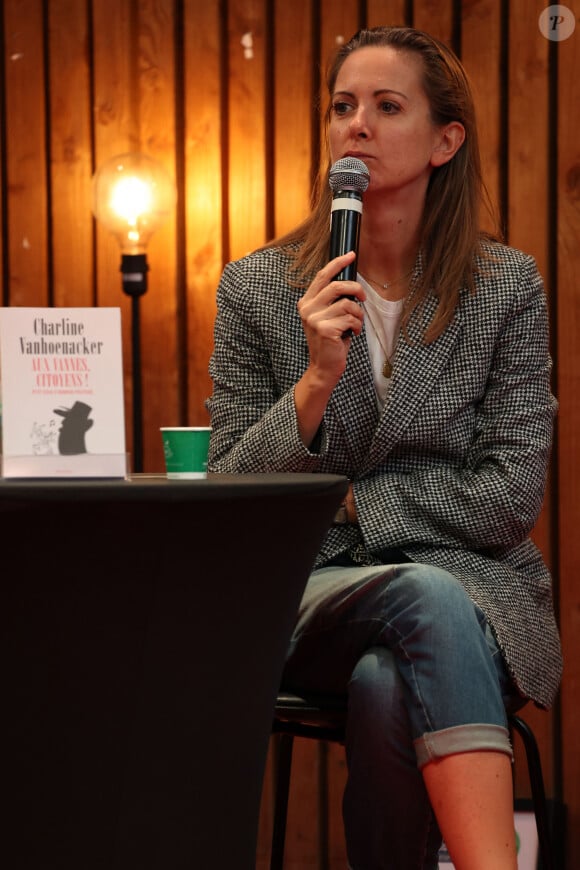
point(330, 316)
point(329, 319)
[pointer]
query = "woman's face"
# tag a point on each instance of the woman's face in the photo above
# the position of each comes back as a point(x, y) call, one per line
point(380, 114)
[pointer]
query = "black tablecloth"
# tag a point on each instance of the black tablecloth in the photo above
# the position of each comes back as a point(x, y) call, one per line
point(144, 629)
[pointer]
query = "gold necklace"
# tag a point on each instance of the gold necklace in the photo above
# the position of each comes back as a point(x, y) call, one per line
point(387, 368)
point(388, 284)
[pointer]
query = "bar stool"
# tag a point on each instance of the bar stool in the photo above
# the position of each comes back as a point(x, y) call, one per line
point(323, 717)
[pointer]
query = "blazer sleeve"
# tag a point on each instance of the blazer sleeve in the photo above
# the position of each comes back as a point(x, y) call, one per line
point(490, 498)
point(253, 416)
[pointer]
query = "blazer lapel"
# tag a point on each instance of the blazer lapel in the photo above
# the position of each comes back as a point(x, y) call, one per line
point(416, 369)
point(369, 436)
point(353, 403)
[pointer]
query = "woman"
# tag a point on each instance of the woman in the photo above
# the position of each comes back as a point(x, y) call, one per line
point(426, 382)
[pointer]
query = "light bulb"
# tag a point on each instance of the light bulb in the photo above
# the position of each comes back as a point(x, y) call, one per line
point(132, 196)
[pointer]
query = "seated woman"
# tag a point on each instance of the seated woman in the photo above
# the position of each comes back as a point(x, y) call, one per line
point(426, 381)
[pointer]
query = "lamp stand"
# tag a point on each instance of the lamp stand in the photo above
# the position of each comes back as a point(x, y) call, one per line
point(134, 270)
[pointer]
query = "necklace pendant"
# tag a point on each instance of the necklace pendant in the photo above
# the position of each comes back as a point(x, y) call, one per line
point(387, 368)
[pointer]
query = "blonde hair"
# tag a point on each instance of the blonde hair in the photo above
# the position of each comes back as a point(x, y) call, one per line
point(450, 234)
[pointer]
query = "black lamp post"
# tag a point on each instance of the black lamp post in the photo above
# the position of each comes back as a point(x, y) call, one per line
point(134, 270)
point(132, 196)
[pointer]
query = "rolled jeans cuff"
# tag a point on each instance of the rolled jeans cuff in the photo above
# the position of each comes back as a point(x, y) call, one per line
point(462, 738)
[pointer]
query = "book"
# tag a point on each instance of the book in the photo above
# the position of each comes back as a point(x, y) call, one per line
point(61, 376)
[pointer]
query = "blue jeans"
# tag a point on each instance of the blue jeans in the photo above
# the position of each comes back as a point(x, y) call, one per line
point(425, 679)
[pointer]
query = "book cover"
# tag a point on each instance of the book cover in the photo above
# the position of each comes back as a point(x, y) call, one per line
point(61, 372)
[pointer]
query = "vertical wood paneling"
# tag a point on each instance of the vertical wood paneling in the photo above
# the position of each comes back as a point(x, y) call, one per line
point(240, 136)
point(338, 22)
point(155, 97)
point(266, 812)
point(528, 186)
point(115, 132)
point(26, 169)
point(528, 143)
point(568, 379)
point(390, 12)
point(203, 193)
point(71, 153)
point(134, 99)
point(303, 813)
point(481, 41)
point(247, 126)
point(435, 17)
point(294, 113)
point(337, 775)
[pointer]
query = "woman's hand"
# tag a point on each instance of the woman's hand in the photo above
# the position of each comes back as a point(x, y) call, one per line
point(329, 319)
point(330, 316)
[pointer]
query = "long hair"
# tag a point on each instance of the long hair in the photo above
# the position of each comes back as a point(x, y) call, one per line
point(450, 234)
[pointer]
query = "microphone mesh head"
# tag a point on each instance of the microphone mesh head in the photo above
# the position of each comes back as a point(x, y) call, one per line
point(349, 173)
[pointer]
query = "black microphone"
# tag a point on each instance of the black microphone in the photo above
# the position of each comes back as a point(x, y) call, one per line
point(348, 179)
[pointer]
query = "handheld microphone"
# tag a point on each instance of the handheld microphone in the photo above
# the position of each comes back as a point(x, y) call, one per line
point(348, 179)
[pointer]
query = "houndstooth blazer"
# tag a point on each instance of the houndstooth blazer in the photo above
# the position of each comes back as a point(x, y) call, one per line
point(452, 472)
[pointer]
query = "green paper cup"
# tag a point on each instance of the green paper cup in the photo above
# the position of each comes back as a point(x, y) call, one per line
point(185, 449)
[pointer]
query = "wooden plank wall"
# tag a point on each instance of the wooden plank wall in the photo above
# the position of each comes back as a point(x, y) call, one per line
point(224, 95)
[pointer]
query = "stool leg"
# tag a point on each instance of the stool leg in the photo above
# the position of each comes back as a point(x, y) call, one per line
point(282, 789)
point(538, 792)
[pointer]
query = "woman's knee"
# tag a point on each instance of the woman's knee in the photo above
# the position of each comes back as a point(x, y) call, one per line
point(433, 594)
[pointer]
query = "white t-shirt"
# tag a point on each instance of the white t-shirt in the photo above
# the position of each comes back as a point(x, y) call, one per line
point(382, 333)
